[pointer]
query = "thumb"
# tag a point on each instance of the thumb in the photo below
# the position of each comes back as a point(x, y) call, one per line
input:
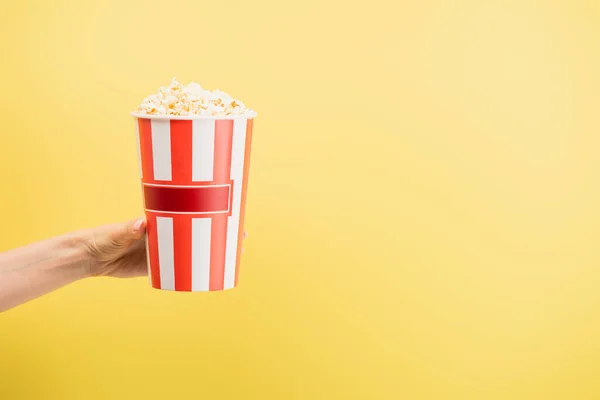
point(131, 230)
point(110, 241)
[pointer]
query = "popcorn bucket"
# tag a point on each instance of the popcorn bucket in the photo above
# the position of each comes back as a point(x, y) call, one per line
point(194, 174)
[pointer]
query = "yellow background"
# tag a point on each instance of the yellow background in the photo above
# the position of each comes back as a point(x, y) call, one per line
point(424, 203)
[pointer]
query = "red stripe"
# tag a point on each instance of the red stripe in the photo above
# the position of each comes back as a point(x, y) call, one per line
point(181, 152)
point(221, 174)
point(199, 199)
point(179, 199)
point(145, 128)
point(153, 250)
point(248, 146)
point(182, 238)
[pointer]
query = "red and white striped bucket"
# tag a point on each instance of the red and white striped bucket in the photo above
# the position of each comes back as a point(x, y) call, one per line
point(195, 178)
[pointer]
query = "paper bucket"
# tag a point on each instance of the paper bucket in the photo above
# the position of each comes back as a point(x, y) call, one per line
point(194, 174)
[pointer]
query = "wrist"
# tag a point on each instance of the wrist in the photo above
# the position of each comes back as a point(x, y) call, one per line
point(74, 255)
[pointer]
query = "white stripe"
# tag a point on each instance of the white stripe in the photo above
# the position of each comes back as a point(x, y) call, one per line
point(166, 258)
point(137, 138)
point(161, 150)
point(238, 148)
point(201, 231)
point(187, 186)
point(189, 212)
point(203, 155)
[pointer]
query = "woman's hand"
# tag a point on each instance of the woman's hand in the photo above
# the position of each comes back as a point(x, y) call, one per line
point(30, 271)
point(117, 250)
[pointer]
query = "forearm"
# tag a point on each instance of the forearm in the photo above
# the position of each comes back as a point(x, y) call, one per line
point(33, 270)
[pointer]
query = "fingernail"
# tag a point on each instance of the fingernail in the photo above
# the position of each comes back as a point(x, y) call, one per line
point(137, 227)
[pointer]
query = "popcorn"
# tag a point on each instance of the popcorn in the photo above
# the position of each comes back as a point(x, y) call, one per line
point(192, 100)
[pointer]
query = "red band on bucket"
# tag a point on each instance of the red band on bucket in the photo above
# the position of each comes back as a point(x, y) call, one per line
point(200, 199)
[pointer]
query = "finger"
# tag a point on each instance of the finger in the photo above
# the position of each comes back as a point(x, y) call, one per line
point(139, 262)
point(245, 234)
point(133, 262)
point(131, 230)
point(137, 228)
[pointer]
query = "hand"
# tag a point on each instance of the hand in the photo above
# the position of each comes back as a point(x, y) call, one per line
point(118, 250)
point(30, 271)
